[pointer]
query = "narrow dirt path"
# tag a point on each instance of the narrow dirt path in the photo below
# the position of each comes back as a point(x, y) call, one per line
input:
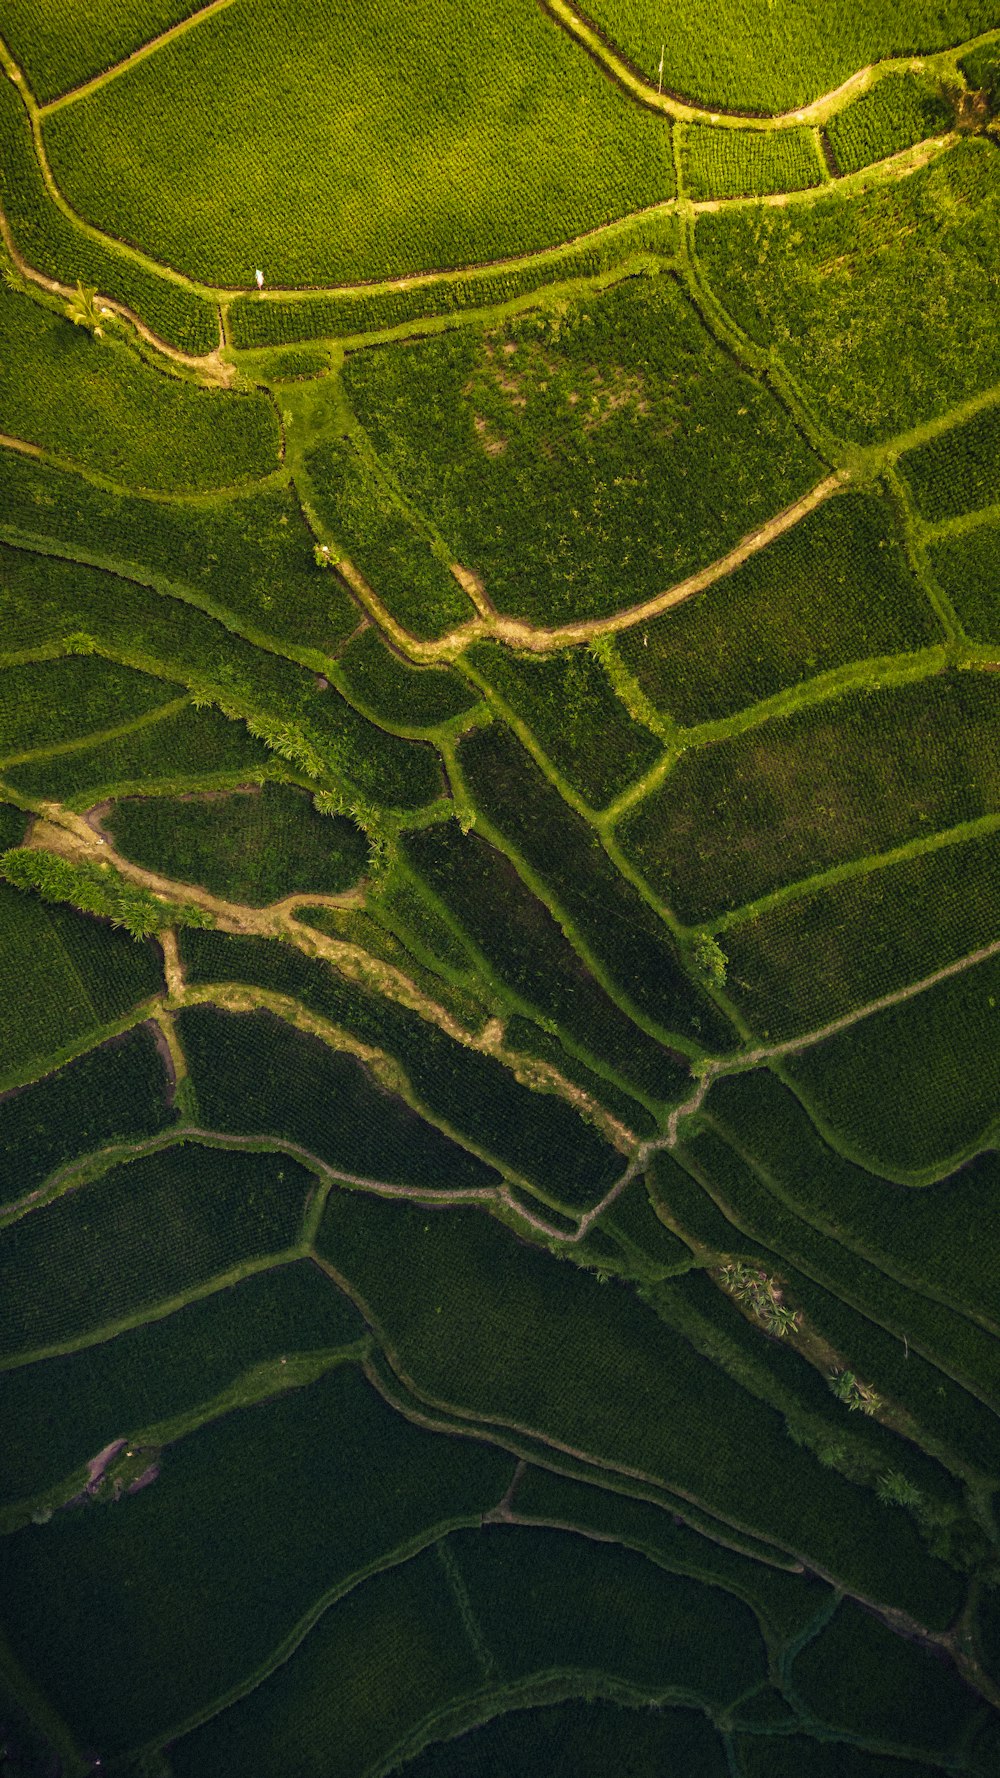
point(792, 1045)
point(544, 639)
point(210, 366)
point(817, 111)
point(61, 830)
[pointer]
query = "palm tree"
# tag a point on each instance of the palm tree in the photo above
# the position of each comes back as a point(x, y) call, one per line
point(84, 310)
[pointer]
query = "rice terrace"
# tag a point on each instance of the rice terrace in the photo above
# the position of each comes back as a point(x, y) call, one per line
point(500, 888)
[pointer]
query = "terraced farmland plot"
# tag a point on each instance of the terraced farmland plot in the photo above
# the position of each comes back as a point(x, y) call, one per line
point(959, 471)
point(834, 589)
point(499, 566)
point(967, 568)
point(897, 112)
point(255, 845)
point(109, 412)
point(797, 965)
point(247, 558)
point(734, 56)
point(880, 304)
point(573, 460)
point(834, 782)
point(400, 200)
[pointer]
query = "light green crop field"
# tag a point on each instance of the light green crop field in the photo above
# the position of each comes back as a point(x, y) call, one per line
point(499, 889)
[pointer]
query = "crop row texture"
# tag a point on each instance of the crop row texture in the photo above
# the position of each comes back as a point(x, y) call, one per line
point(295, 1498)
point(116, 1092)
point(748, 163)
point(575, 461)
point(809, 959)
point(255, 846)
point(144, 1232)
point(832, 590)
point(897, 112)
point(621, 932)
point(114, 414)
point(740, 818)
point(509, 141)
point(732, 54)
point(536, 1134)
point(353, 314)
point(880, 303)
point(59, 1411)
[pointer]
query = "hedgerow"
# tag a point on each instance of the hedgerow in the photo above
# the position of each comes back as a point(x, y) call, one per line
point(250, 557)
point(743, 58)
point(253, 1073)
point(526, 951)
point(59, 1411)
point(897, 111)
point(562, 153)
point(143, 1233)
point(111, 412)
point(50, 242)
point(879, 302)
point(959, 471)
point(353, 313)
point(568, 704)
point(747, 163)
point(536, 1134)
point(807, 960)
point(912, 1088)
point(250, 846)
point(737, 819)
point(834, 589)
point(621, 932)
point(581, 461)
point(115, 1092)
point(295, 1498)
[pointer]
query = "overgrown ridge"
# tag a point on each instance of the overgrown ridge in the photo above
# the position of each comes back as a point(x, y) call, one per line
point(499, 829)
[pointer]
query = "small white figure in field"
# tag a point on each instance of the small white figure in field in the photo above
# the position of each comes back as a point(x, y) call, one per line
point(258, 274)
point(659, 82)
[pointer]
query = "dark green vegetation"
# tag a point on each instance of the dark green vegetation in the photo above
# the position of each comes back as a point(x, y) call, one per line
point(86, 977)
point(255, 845)
point(498, 1270)
point(797, 795)
point(833, 590)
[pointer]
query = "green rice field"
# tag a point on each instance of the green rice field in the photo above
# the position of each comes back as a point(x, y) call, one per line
point(499, 889)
